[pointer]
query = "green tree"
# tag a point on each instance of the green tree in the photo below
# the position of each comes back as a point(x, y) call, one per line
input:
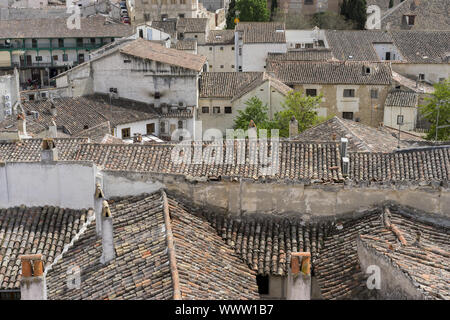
point(252, 10)
point(302, 107)
point(273, 7)
point(255, 110)
point(438, 101)
point(231, 15)
point(355, 10)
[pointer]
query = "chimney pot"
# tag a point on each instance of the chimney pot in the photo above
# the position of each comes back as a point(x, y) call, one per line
point(27, 270)
point(33, 280)
point(107, 234)
point(49, 152)
point(293, 127)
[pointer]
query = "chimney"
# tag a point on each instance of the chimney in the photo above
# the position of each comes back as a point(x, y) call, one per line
point(32, 285)
point(343, 148)
point(98, 203)
point(299, 277)
point(252, 130)
point(22, 124)
point(293, 127)
point(53, 110)
point(49, 152)
point(137, 138)
point(345, 166)
point(53, 130)
point(107, 234)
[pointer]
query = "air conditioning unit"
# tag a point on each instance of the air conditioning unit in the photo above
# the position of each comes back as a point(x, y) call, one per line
point(174, 107)
point(181, 105)
point(8, 112)
point(6, 98)
point(8, 105)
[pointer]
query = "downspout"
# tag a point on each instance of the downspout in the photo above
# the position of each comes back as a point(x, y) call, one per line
point(171, 250)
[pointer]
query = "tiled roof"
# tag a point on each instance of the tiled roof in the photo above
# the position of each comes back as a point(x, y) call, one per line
point(413, 85)
point(206, 267)
point(144, 49)
point(97, 133)
point(220, 37)
point(262, 32)
point(192, 25)
point(307, 162)
point(224, 84)
point(356, 43)
point(423, 257)
point(187, 44)
point(430, 15)
point(302, 55)
point(30, 149)
point(423, 46)
point(414, 165)
point(305, 72)
point(33, 230)
point(168, 26)
point(361, 138)
point(263, 77)
point(298, 161)
point(91, 27)
point(74, 114)
point(401, 98)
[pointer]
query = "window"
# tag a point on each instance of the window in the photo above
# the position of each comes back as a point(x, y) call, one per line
point(146, 16)
point(347, 115)
point(298, 46)
point(180, 124)
point(150, 128)
point(195, 36)
point(65, 57)
point(210, 48)
point(205, 109)
point(55, 58)
point(228, 110)
point(126, 133)
point(157, 95)
point(221, 66)
point(141, 33)
point(216, 109)
point(81, 57)
point(240, 68)
point(309, 1)
point(113, 90)
point(240, 51)
point(309, 45)
point(38, 58)
point(60, 43)
point(92, 40)
point(232, 66)
point(232, 48)
point(182, 1)
point(34, 43)
point(349, 93)
point(163, 127)
point(374, 93)
point(127, 61)
point(210, 66)
point(421, 76)
point(221, 48)
point(263, 284)
point(173, 1)
point(79, 42)
point(388, 56)
point(399, 119)
point(311, 92)
point(410, 20)
point(367, 70)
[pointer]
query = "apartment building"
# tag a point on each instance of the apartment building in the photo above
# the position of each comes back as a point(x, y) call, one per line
point(43, 48)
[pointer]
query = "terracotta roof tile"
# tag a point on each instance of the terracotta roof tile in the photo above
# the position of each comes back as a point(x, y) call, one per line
point(262, 32)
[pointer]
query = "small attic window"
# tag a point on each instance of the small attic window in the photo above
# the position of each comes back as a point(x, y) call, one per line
point(367, 70)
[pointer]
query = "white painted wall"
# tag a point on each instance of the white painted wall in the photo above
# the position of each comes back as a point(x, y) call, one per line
point(433, 71)
point(64, 184)
point(409, 117)
point(294, 37)
point(8, 94)
point(382, 48)
point(254, 55)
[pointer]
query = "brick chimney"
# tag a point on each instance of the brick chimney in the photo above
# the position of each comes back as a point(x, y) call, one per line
point(299, 277)
point(107, 234)
point(32, 285)
point(49, 152)
point(293, 127)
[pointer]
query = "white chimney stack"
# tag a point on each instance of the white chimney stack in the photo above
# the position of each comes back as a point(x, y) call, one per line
point(107, 234)
point(299, 277)
point(22, 124)
point(49, 152)
point(293, 127)
point(252, 130)
point(344, 146)
point(32, 285)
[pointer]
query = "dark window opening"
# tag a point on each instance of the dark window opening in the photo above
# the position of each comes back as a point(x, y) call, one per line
point(374, 94)
point(347, 115)
point(263, 284)
point(141, 33)
point(126, 133)
point(205, 109)
point(61, 43)
point(349, 93)
point(150, 128)
point(157, 95)
point(309, 1)
point(216, 109)
point(228, 110)
point(388, 56)
point(79, 42)
point(34, 43)
point(311, 92)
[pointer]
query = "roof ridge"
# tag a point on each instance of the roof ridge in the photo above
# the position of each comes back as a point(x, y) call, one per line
point(354, 134)
point(171, 249)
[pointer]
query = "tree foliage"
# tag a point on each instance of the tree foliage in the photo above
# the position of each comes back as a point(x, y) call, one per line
point(252, 10)
point(231, 15)
point(302, 107)
point(439, 100)
point(323, 20)
point(355, 10)
point(255, 110)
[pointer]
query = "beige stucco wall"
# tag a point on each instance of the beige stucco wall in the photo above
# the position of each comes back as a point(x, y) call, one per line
point(369, 111)
point(5, 59)
point(409, 117)
point(218, 57)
